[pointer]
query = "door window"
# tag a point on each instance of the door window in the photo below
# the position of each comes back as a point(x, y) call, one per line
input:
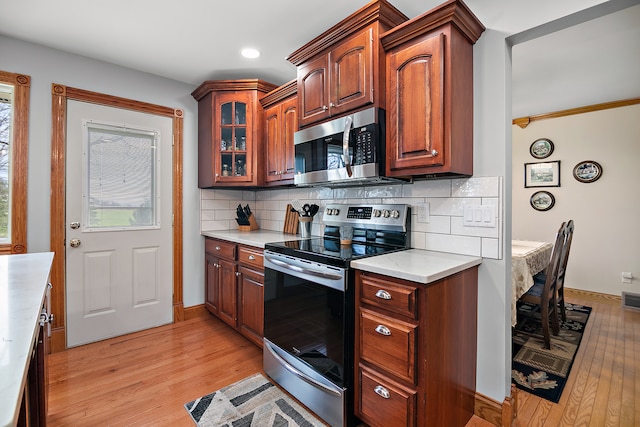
point(121, 190)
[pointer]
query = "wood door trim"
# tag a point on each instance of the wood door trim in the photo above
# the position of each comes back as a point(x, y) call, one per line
point(60, 95)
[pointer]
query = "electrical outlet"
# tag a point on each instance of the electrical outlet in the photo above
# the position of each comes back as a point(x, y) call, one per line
point(423, 212)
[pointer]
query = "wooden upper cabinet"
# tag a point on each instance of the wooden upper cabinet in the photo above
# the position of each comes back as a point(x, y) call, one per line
point(280, 124)
point(429, 88)
point(230, 147)
point(416, 105)
point(343, 69)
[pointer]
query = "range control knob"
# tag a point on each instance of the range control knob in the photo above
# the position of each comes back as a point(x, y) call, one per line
point(336, 211)
point(329, 211)
point(385, 213)
point(376, 213)
point(395, 213)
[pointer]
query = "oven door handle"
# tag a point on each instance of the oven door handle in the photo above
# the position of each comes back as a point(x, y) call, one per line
point(303, 270)
point(299, 374)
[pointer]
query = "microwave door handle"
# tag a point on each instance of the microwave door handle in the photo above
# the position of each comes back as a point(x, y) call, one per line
point(345, 145)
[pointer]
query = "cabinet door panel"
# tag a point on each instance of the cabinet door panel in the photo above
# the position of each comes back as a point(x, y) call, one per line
point(290, 127)
point(233, 120)
point(312, 90)
point(415, 105)
point(227, 289)
point(211, 283)
point(273, 139)
point(251, 307)
point(351, 73)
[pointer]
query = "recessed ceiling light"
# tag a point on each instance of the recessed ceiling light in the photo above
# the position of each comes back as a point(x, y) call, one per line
point(250, 53)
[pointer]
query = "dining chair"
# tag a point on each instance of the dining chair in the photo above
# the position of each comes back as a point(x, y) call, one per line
point(564, 259)
point(542, 297)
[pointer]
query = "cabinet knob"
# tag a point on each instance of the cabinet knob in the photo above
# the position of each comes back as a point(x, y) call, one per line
point(217, 248)
point(382, 294)
point(45, 317)
point(381, 391)
point(251, 257)
point(331, 104)
point(238, 273)
point(434, 152)
point(383, 330)
point(324, 108)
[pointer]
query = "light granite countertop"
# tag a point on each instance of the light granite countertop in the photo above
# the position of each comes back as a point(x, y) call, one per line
point(417, 265)
point(23, 284)
point(257, 238)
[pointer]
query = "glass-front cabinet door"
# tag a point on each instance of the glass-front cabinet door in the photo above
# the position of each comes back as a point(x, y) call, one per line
point(232, 138)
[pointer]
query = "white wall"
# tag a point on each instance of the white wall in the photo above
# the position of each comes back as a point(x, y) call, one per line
point(47, 66)
point(606, 239)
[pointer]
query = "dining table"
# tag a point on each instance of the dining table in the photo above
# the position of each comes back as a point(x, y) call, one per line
point(528, 258)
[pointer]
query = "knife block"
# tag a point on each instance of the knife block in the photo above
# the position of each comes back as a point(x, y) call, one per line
point(253, 225)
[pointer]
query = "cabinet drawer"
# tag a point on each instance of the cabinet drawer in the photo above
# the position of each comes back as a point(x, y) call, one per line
point(380, 292)
point(251, 257)
point(388, 343)
point(220, 248)
point(384, 403)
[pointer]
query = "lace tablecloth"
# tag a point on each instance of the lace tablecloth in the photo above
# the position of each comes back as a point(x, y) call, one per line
point(528, 258)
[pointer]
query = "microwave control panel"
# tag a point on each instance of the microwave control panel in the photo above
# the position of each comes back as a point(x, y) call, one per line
point(365, 145)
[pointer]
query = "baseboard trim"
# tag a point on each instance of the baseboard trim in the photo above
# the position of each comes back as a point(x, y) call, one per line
point(195, 311)
point(498, 414)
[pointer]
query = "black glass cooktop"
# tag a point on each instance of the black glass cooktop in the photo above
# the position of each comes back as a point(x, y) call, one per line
point(328, 250)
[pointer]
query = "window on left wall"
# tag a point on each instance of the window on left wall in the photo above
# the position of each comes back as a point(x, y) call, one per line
point(14, 141)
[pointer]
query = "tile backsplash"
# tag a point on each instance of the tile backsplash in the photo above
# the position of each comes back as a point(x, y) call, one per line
point(445, 231)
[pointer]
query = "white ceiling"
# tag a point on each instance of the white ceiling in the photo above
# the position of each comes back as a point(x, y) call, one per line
point(196, 40)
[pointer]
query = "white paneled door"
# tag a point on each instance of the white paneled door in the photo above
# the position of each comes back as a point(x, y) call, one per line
point(118, 222)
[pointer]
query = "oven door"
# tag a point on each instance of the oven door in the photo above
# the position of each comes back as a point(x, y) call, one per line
point(304, 329)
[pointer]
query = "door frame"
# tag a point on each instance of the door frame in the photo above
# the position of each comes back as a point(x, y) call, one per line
point(60, 95)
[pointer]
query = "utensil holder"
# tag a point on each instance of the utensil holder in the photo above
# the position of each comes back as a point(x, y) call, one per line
point(305, 226)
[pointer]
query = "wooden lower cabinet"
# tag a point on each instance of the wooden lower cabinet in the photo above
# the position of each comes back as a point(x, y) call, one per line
point(234, 286)
point(251, 304)
point(415, 350)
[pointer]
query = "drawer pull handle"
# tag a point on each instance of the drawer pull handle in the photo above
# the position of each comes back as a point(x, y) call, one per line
point(381, 391)
point(383, 294)
point(383, 330)
point(217, 248)
point(251, 257)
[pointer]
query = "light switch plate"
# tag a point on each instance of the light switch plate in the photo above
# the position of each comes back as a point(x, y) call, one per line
point(479, 216)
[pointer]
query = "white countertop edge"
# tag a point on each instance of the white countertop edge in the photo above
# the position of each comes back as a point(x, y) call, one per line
point(24, 279)
point(417, 265)
point(256, 238)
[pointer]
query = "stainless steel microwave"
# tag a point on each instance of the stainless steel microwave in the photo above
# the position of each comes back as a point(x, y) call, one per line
point(344, 151)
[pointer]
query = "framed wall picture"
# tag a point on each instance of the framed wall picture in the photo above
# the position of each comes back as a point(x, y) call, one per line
point(542, 174)
point(542, 200)
point(541, 148)
point(587, 171)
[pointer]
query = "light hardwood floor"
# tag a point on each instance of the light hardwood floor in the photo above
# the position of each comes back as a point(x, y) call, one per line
point(145, 378)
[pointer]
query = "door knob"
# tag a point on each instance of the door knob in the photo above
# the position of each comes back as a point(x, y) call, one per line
point(74, 225)
point(75, 243)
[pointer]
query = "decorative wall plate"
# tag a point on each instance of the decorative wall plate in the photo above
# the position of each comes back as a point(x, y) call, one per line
point(587, 171)
point(542, 200)
point(541, 148)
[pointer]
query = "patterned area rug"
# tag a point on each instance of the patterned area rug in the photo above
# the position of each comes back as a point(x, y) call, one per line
point(251, 402)
point(544, 372)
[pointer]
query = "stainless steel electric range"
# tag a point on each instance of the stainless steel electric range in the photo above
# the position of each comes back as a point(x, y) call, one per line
point(309, 304)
